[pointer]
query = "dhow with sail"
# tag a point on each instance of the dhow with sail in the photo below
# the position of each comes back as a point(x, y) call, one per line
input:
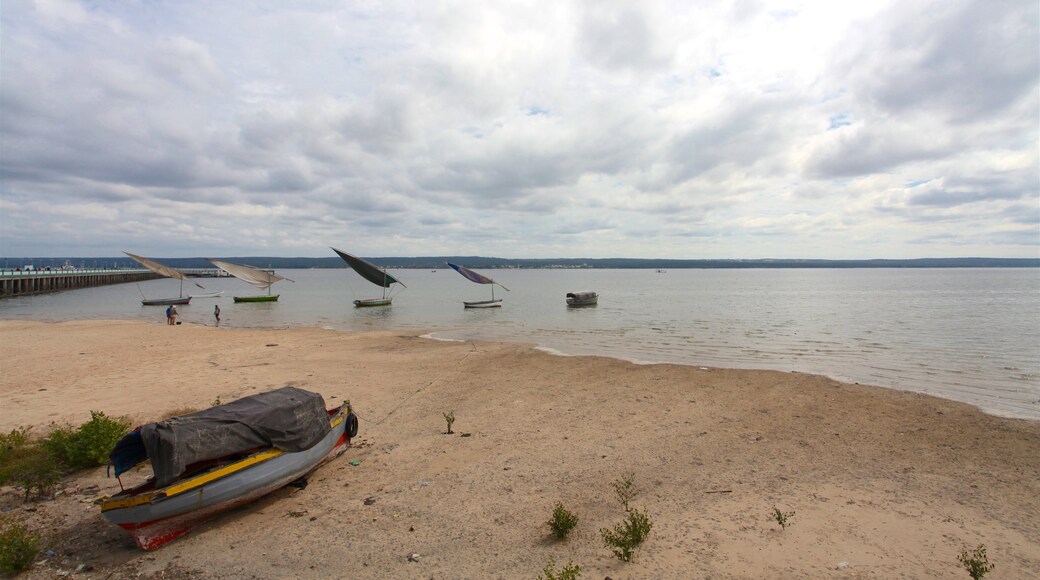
point(168, 272)
point(479, 279)
point(262, 279)
point(373, 274)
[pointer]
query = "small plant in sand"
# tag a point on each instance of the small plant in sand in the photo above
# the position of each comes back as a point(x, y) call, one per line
point(25, 462)
point(88, 445)
point(975, 561)
point(627, 535)
point(450, 418)
point(18, 547)
point(782, 518)
point(562, 521)
point(625, 489)
point(568, 572)
point(216, 402)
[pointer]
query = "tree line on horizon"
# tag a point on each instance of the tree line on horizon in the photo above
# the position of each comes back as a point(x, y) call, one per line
point(437, 262)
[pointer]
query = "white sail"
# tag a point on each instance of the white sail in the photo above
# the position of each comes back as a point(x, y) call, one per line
point(260, 278)
point(162, 270)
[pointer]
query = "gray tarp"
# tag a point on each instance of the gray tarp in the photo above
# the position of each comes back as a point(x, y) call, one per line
point(288, 418)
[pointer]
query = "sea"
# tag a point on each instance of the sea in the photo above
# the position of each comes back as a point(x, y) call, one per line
point(970, 335)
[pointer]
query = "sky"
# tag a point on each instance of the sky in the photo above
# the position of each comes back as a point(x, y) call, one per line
point(529, 129)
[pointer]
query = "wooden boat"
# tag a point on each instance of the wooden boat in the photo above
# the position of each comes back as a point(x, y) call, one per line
point(208, 295)
point(479, 279)
point(373, 274)
point(255, 276)
point(271, 298)
point(166, 301)
point(163, 270)
point(582, 298)
point(373, 302)
point(189, 485)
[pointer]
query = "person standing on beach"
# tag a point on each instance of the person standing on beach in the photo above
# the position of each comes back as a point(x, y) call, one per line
point(216, 312)
point(173, 315)
point(169, 315)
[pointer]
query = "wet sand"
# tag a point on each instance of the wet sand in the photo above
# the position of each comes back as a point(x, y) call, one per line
point(882, 483)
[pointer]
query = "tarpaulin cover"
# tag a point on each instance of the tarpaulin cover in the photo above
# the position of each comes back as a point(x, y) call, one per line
point(288, 418)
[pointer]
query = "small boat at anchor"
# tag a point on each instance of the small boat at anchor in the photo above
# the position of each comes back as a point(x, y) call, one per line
point(373, 274)
point(479, 279)
point(207, 295)
point(210, 461)
point(164, 270)
point(582, 298)
point(260, 278)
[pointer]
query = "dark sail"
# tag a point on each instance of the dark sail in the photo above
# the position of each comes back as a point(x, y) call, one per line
point(368, 271)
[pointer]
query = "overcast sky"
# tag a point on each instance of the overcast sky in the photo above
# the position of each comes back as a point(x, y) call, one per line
point(747, 129)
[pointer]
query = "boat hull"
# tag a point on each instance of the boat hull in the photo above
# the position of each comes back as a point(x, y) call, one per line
point(273, 298)
point(575, 299)
point(166, 301)
point(153, 518)
point(483, 304)
point(372, 302)
point(208, 295)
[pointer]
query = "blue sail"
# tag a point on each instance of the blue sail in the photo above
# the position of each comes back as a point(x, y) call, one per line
point(473, 276)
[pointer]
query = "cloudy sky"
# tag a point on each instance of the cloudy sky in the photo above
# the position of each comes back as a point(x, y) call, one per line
point(708, 129)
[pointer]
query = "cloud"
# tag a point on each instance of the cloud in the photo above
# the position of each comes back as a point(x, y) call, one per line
point(548, 129)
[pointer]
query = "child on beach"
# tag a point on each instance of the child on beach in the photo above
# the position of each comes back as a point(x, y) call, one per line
point(173, 315)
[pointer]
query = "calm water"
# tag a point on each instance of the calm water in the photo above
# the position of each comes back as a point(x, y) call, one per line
point(970, 335)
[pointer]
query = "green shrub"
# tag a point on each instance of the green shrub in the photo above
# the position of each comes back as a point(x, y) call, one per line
point(628, 534)
point(625, 489)
point(975, 562)
point(27, 463)
point(90, 444)
point(562, 521)
point(782, 518)
point(569, 572)
point(18, 547)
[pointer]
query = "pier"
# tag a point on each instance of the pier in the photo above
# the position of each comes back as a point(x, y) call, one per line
point(24, 282)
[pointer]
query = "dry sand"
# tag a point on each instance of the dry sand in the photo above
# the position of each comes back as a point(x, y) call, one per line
point(886, 484)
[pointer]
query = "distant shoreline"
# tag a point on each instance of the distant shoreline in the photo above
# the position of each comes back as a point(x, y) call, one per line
point(436, 262)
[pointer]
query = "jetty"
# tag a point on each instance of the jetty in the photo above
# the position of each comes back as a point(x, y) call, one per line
point(20, 282)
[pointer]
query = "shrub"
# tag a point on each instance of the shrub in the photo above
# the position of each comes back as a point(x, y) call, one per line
point(90, 444)
point(782, 518)
point(562, 521)
point(26, 463)
point(450, 418)
point(628, 534)
point(18, 547)
point(975, 562)
point(625, 489)
point(569, 572)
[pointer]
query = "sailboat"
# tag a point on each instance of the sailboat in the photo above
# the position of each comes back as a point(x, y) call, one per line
point(260, 278)
point(169, 272)
point(373, 274)
point(479, 279)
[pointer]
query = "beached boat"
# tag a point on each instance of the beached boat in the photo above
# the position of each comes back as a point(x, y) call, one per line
point(479, 279)
point(222, 457)
point(373, 274)
point(260, 278)
point(163, 270)
point(582, 298)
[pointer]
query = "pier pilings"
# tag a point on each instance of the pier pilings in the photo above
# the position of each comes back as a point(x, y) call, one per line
point(17, 283)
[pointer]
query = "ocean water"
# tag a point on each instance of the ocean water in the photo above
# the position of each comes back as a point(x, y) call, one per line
point(970, 335)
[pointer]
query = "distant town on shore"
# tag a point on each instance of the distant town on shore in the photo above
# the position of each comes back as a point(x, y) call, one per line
point(436, 262)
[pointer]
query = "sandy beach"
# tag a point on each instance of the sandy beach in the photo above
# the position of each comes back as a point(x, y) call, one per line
point(882, 483)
